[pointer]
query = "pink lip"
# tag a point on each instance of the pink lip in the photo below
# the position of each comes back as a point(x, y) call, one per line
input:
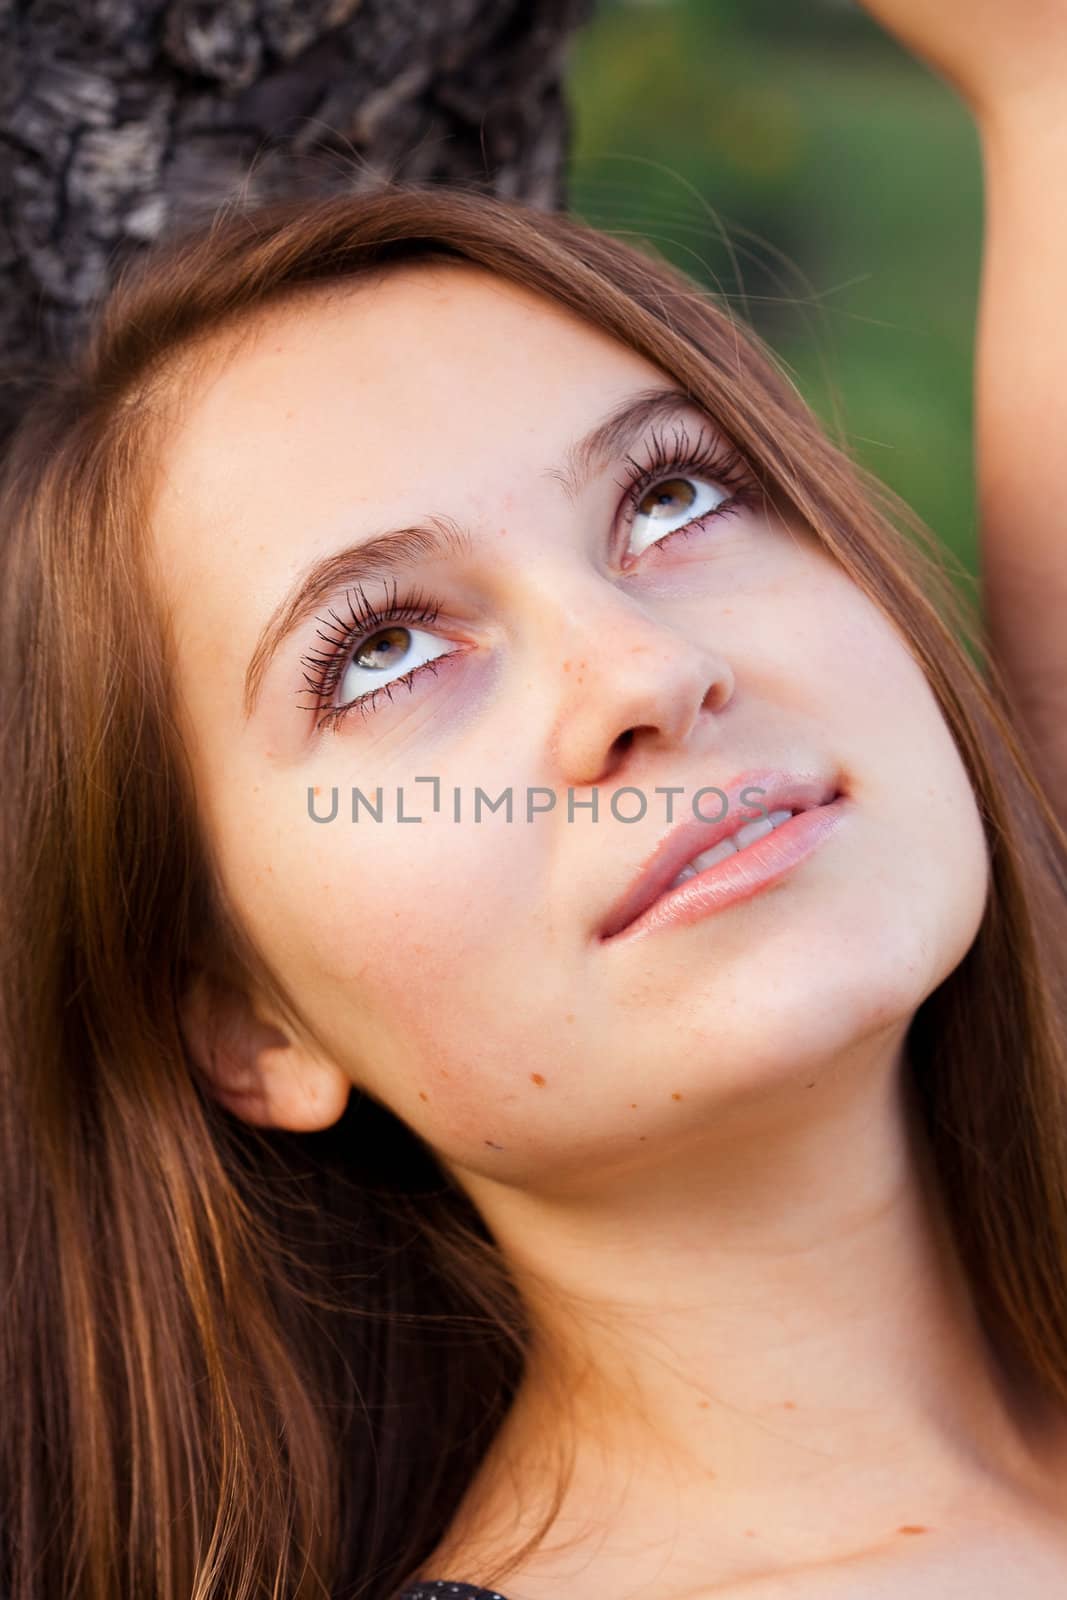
point(738, 876)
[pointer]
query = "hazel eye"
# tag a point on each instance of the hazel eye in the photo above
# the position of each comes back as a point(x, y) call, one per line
point(388, 654)
point(668, 500)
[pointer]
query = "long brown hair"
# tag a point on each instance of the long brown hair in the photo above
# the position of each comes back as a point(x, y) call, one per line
point(247, 1363)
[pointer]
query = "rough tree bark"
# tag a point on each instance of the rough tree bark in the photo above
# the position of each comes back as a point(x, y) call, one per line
point(120, 117)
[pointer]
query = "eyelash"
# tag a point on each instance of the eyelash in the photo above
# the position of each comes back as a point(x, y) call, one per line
point(325, 669)
point(706, 458)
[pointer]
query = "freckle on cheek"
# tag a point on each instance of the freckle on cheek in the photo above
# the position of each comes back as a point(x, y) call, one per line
point(535, 1077)
point(423, 1095)
point(676, 1096)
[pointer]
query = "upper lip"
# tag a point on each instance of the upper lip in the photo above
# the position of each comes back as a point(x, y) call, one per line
point(690, 837)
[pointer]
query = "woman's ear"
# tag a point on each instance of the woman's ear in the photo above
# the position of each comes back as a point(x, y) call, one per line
point(252, 1067)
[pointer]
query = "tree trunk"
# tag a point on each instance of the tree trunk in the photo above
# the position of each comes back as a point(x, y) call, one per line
point(121, 117)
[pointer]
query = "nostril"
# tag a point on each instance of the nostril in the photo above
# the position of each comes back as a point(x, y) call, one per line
point(623, 742)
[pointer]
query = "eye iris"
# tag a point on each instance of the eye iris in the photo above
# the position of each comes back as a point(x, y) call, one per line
point(376, 655)
point(663, 495)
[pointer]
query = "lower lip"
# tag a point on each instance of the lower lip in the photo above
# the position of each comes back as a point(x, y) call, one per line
point(742, 875)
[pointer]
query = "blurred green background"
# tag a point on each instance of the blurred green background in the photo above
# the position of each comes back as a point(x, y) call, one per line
point(791, 155)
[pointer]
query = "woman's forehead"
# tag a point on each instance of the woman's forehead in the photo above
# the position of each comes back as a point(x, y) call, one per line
point(427, 368)
point(415, 303)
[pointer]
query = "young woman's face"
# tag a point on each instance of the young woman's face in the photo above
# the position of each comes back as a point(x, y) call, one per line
point(566, 641)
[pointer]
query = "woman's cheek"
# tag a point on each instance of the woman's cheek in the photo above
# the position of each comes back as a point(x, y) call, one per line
point(406, 906)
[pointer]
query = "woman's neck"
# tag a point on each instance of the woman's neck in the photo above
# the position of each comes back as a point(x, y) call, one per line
point(770, 1356)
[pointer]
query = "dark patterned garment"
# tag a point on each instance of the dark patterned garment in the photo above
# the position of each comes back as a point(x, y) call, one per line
point(444, 1589)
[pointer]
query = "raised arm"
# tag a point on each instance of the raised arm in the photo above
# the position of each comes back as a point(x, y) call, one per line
point(1021, 427)
point(1008, 61)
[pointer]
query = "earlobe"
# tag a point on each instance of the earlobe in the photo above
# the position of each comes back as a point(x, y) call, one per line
point(252, 1067)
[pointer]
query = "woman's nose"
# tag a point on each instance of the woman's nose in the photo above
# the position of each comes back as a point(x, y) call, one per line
point(622, 675)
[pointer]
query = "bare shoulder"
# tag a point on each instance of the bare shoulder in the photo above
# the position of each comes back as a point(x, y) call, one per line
point(1028, 1563)
point(1024, 1557)
point(989, 1539)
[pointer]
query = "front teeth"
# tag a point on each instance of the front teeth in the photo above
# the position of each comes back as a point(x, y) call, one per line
point(748, 834)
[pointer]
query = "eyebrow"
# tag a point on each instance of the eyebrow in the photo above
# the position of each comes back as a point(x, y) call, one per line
point(404, 548)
